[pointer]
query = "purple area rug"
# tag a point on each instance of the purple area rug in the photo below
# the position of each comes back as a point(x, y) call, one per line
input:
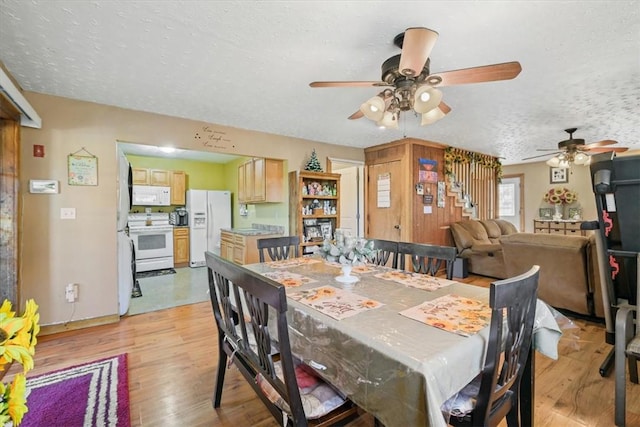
point(94, 394)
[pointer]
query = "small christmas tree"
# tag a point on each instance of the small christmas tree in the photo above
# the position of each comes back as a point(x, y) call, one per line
point(313, 164)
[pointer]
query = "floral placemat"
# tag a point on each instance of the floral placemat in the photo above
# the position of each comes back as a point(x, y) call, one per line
point(358, 269)
point(453, 313)
point(292, 262)
point(415, 280)
point(288, 278)
point(334, 302)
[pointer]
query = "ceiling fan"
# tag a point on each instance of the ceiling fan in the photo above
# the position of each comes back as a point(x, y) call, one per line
point(574, 150)
point(410, 84)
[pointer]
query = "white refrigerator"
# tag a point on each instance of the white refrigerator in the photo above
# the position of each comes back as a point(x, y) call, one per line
point(208, 211)
point(126, 252)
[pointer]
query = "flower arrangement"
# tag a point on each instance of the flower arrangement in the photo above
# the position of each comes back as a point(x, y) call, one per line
point(351, 252)
point(560, 196)
point(18, 338)
point(455, 155)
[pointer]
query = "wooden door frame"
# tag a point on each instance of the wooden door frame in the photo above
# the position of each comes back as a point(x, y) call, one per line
point(10, 211)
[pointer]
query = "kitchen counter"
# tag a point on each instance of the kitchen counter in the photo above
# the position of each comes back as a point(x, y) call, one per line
point(247, 231)
point(256, 230)
point(240, 244)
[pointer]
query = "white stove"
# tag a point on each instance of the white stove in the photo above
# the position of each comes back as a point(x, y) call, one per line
point(152, 237)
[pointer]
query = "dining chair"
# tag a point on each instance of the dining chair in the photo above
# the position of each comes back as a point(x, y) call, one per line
point(427, 259)
point(385, 250)
point(279, 248)
point(262, 351)
point(495, 393)
point(627, 345)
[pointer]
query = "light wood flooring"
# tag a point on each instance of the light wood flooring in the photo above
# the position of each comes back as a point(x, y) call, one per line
point(172, 358)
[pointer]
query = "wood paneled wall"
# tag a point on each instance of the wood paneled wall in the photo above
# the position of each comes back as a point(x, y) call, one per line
point(420, 225)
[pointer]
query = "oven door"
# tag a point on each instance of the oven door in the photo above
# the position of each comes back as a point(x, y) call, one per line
point(152, 242)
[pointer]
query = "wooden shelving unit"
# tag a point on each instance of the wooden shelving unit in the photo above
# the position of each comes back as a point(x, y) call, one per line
point(314, 206)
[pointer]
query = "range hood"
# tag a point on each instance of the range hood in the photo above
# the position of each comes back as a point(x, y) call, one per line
point(9, 91)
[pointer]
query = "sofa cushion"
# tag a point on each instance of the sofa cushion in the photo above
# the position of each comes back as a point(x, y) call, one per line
point(492, 229)
point(506, 227)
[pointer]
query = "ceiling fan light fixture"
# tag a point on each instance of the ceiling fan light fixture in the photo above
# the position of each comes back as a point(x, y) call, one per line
point(373, 109)
point(553, 162)
point(564, 164)
point(432, 116)
point(389, 120)
point(426, 99)
point(580, 159)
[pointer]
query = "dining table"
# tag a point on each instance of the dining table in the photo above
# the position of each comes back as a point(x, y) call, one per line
point(398, 344)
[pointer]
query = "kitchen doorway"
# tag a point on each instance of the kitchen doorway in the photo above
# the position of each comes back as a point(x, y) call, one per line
point(351, 193)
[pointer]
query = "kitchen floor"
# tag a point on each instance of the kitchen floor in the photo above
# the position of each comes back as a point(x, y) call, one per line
point(187, 286)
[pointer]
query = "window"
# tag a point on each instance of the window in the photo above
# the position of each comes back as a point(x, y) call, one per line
point(507, 200)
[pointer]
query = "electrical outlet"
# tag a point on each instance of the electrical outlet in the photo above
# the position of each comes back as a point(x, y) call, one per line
point(68, 213)
point(71, 292)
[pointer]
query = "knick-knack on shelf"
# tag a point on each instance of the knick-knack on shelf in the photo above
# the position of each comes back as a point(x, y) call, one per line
point(313, 164)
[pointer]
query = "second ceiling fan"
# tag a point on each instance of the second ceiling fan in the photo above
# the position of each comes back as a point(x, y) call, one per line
point(411, 86)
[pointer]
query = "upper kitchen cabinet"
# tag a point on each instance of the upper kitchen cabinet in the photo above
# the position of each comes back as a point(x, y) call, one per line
point(144, 176)
point(141, 176)
point(260, 181)
point(178, 188)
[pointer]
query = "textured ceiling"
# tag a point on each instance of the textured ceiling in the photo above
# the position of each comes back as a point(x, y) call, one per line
point(248, 64)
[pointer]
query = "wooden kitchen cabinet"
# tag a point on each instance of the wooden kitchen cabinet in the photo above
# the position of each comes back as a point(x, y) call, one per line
point(260, 180)
point(240, 248)
point(178, 188)
point(181, 246)
point(160, 177)
point(145, 176)
point(140, 176)
point(305, 189)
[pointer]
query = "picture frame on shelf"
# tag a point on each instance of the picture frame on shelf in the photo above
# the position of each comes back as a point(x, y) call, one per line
point(546, 213)
point(558, 175)
point(575, 214)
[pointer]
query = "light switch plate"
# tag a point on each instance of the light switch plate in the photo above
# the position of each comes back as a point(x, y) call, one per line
point(68, 213)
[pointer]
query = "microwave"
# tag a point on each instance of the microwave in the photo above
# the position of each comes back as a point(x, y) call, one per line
point(150, 195)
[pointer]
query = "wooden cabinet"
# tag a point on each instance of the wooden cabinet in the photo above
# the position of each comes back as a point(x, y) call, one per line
point(181, 246)
point(314, 206)
point(568, 228)
point(240, 248)
point(260, 181)
point(140, 176)
point(144, 176)
point(178, 188)
point(160, 177)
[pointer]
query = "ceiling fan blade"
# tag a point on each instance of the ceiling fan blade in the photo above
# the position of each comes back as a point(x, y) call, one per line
point(357, 115)
point(607, 150)
point(485, 73)
point(444, 107)
point(542, 155)
point(416, 48)
point(599, 144)
point(348, 84)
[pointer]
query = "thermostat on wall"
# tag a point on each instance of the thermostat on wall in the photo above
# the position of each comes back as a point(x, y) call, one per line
point(47, 186)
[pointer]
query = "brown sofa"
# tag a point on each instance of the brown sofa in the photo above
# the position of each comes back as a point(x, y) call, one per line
point(569, 273)
point(478, 241)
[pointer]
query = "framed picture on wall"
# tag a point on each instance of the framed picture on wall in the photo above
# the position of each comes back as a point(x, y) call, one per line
point(558, 175)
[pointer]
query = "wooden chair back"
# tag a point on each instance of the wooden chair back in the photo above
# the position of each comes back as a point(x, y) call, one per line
point(279, 248)
point(385, 250)
point(427, 259)
point(513, 308)
point(244, 303)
